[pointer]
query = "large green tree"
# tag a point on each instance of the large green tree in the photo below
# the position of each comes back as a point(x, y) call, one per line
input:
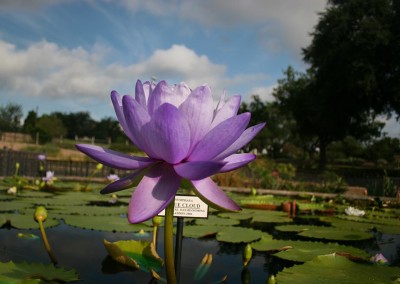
point(10, 117)
point(354, 72)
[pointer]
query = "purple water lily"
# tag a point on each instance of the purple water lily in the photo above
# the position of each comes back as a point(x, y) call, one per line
point(184, 136)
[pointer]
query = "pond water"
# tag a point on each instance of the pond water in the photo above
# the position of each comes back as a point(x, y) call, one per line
point(316, 231)
point(84, 251)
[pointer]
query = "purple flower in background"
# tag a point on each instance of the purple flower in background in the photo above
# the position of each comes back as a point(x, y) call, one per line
point(49, 178)
point(41, 157)
point(184, 136)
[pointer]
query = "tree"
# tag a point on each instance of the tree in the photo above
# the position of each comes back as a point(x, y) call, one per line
point(108, 128)
point(319, 120)
point(355, 56)
point(50, 126)
point(10, 117)
point(77, 124)
point(30, 123)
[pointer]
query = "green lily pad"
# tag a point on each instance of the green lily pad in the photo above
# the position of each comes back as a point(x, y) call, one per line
point(335, 269)
point(112, 223)
point(263, 216)
point(90, 210)
point(328, 233)
point(137, 254)
point(200, 231)
point(302, 251)
point(23, 221)
point(216, 221)
point(6, 206)
point(16, 273)
point(238, 235)
point(388, 227)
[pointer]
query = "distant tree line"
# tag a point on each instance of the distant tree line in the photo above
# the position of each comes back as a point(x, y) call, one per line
point(58, 124)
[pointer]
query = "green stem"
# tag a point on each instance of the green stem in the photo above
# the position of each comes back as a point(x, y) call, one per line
point(169, 243)
point(46, 243)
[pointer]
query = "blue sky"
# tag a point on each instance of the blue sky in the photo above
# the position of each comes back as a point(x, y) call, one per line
point(68, 55)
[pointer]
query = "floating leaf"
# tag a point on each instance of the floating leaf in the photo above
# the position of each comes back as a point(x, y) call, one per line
point(137, 254)
point(91, 210)
point(13, 273)
point(200, 231)
point(113, 223)
point(216, 221)
point(23, 221)
point(302, 251)
point(238, 235)
point(6, 206)
point(334, 269)
point(328, 233)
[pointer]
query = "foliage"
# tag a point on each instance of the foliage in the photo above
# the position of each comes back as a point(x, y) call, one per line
point(10, 117)
point(34, 273)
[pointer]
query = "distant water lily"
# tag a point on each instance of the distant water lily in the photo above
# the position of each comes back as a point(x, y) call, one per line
point(12, 190)
point(184, 136)
point(112, 177)
point(351, 211)
point(49, 178)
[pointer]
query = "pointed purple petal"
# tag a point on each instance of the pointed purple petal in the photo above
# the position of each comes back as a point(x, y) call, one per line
point(122, 183)
point(116, 99)
point(245, 138)
point(198, 110)
point(154, 192)
point(220, 138)
point(114, 159)
point(220, 104)
point(136, 116)
point(197, 170)
point(210, 193)
point(228, 110)
point(163, 93)
point(168, 134)
point(140, 96)
point(236, 161)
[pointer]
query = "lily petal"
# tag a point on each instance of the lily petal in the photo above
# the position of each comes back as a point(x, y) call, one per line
point(245, 138)
point(136, 116)
point(154, 192)
point(211, 194)
point(220, 138)
point(114, 159)
point(198, 110)
point(117, 103)
point(228, 110)
point(163, 93)
point(236, 161)
point(168, 134)
point(140, 96)
point(122, 183)
point(198, 170)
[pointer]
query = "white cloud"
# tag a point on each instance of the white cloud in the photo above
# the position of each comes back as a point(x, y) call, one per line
point(46, 70)
point(264, 92)
point(283, 23)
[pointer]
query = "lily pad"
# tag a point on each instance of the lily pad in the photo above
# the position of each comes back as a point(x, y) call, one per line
point(238, 235)
point(90, 210)
point(263, 216)
point(13, 273)
point(328, 233)
point(112, 223)
point(200, 231)
point(216, 221)
point(137, 254)
point(334, 269)
point(23, 221)
point(302, 251)
point(6, 206)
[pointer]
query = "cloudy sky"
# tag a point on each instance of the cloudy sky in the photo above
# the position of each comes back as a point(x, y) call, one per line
point(67, 55)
